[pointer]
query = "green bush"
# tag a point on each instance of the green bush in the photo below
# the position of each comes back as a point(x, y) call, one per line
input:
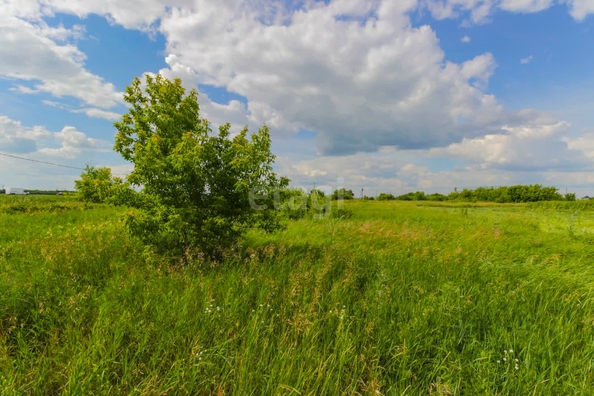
point(343, 194)
point(386, 197)
point(199, 190)
point(95, 184)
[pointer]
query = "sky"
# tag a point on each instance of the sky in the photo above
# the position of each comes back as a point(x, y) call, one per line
point(373, 95)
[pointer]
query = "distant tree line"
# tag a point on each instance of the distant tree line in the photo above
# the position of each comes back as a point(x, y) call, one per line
point(512, 194)
point(43, 192)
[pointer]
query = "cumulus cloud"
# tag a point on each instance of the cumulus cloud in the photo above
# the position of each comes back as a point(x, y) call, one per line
point(359, 86)
point(580, 9)
point(583, 143)
point(18, 139)
point(46, 57)
point(14, 138)
point(73, 142)
point(541, 145)
point(465, 39)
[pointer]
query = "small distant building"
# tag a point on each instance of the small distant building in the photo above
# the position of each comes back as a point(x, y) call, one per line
point(16, 191)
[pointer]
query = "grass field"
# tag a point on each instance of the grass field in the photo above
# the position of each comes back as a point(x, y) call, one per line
point(400, 299)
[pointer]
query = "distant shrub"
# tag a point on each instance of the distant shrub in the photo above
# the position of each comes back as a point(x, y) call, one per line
point(343, 194)
point(420, 196)
point(386, 197)
point(96, 184)
point(512, 194)
point(293, 203)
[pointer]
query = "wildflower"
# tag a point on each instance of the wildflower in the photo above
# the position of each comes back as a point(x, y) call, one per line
point(517, 360)
point(499, 361)
point(511, 351)
point(504, 359)
point(517, 367)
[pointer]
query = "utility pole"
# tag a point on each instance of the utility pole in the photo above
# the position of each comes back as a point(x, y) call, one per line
point(362, 194)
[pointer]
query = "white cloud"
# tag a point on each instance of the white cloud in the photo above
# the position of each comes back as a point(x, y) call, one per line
point(130, 14)
point(526, 60)
point(525, 6)
point(89, 111)
point(98, 113)
point(580, 9)
point(465, 39)
point(18, 139)
point(583, 143)
point(30, 51)
point(479, 11)
point(14, 138)
point(73, 142)
point(359, 86)
point(540, 145)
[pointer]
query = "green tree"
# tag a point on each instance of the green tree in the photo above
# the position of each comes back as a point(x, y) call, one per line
point(198, 189)
point(343, 194)
point(386, 197)
point(95, 184)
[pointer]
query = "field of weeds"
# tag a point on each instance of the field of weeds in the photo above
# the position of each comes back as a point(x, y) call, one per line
point(399, 299)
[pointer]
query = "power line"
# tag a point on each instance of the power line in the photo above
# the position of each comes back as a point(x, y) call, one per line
point(48, 163)
point(41, 162)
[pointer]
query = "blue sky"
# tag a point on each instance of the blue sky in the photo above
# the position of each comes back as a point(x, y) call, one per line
point(414, 95)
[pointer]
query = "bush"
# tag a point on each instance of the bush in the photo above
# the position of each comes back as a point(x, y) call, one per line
point(343, 194)
point(293, 203)
point(385, 197)
point(199, 190)
point(512, 194)
point(95, 184)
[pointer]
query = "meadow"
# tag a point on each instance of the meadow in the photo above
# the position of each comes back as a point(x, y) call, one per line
point(402, 298)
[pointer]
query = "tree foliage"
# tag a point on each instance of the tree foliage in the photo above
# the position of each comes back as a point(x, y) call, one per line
point(386, 197)
point(95, 184)
point(504, 194)
point(342, 193)
point(199, 189)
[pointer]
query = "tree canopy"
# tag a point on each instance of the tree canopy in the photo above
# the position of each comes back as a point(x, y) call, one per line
point(198, 189)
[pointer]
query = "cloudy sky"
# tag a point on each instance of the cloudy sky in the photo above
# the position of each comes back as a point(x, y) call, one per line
point(389, 96)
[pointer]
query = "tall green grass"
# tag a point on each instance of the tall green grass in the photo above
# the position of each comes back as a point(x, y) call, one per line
point(398, 299)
